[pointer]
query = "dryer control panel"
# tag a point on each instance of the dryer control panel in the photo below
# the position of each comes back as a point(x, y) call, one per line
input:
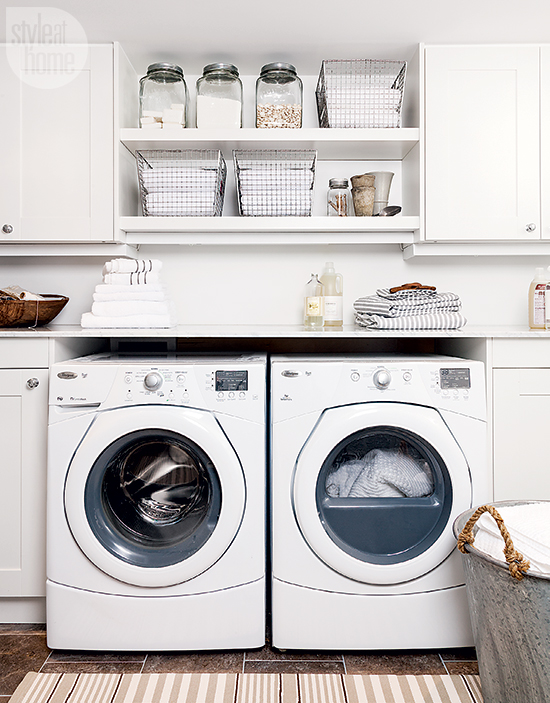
point(302, 384)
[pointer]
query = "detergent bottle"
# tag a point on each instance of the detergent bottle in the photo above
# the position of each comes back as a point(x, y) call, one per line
point(537, 293)
point(333, 284)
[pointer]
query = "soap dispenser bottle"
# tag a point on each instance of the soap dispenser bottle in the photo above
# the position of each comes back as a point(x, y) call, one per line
point(313, 303)
point(537, 293)
point(334, 288)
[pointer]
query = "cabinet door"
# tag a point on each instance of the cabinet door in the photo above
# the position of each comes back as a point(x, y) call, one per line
point(23, 414)
point(482, 143)
point(545, 139)
point(56, 181)
point(521, 408)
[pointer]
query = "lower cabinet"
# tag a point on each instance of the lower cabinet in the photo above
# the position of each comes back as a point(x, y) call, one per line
point(521, 414)
point(24, 422)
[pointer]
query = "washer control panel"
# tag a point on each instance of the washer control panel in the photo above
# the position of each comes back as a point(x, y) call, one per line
point(235, 386)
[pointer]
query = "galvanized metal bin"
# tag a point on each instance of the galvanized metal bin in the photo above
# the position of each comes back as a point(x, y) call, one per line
point(511, 624)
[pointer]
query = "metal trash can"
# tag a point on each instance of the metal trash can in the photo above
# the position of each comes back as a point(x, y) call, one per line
point(510, 614)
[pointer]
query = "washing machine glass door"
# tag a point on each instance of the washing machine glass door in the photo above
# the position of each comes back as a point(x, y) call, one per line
point(154, 495)
point(376, 490)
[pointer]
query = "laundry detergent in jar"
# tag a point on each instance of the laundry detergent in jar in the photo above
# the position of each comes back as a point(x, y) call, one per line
point(219, 96)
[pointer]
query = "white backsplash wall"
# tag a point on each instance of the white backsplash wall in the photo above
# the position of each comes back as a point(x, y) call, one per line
point(264, 284)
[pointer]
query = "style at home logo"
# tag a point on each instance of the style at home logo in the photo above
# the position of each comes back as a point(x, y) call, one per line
point(46, 47)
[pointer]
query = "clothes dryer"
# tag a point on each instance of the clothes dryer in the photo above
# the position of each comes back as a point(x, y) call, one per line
point(156, 503)
point(372, 459)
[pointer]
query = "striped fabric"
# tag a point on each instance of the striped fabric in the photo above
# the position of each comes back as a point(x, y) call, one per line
point(412, 302)
point(246, 688)
point(433, 321)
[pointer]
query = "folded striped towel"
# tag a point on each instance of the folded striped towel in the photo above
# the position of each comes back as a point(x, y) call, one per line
point(428, 321)
point(407, 302)
point(131, 265)
point(131, 278)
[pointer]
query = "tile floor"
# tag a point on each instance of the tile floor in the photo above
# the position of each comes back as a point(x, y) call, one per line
point(23, 648)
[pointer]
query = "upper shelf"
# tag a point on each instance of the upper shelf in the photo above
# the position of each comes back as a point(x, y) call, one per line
point(331, 144)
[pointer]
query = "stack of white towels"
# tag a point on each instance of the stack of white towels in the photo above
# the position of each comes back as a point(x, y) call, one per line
point(131, 295)
point(413, 309)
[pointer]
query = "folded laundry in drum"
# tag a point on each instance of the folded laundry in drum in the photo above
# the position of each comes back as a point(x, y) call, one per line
point(381, 473)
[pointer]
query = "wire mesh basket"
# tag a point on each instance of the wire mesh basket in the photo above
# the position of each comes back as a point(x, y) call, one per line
point(181, 183)
point(275, 182)
point(360, 93)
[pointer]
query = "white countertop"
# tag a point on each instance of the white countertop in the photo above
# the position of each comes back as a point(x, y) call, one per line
point(269, 332)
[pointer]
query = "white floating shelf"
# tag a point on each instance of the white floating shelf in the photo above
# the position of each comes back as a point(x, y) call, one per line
point(331, 144)
point(269, 230)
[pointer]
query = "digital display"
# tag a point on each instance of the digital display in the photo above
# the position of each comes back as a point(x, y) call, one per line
point(231, 380)
point(454, 378)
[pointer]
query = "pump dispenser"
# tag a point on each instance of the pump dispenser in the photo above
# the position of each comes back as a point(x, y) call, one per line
point(334, 284)
point(537, 293)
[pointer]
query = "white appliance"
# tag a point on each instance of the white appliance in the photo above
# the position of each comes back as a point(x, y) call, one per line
point(156, 503)
point(372, 458)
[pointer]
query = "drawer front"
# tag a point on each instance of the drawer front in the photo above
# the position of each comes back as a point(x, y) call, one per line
point(521, 353)
point(23, 353)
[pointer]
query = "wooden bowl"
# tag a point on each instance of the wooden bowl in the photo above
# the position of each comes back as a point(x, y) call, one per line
point(31, 313)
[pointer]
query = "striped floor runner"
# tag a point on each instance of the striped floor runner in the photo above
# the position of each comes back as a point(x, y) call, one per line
point(245, 688)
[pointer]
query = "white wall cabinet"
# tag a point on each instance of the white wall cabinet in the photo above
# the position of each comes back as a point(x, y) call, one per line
point(482, 120)
point(56, 181)
point(23, 409)
point(521, 410)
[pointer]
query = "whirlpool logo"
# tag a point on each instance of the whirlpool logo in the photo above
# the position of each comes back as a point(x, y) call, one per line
point(286, 397)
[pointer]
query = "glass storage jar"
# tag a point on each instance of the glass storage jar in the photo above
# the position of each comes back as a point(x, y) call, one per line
point(219, 96)
point(163, 97)
point(278, 96)
point(338, 198)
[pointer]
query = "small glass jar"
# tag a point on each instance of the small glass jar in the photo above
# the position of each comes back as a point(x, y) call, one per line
point(163, 97)
point(339, 202)
point(219, 96)
point(278, 96)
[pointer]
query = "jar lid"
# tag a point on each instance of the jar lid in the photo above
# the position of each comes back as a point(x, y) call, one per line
point(165, 67)
point(215, 67)
point(277, 67)
point(338, 183)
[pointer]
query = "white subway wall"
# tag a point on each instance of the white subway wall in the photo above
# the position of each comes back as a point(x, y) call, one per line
point(264, 284)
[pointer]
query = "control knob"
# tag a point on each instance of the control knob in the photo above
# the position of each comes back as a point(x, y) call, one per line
point(381, 378)
point(153, 381)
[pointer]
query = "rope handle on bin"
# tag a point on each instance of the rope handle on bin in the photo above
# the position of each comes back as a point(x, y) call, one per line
point(517, 565)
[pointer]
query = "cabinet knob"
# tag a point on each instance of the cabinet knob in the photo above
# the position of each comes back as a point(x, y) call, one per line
point(32, 383)
point(531, 227)
point(7, 229)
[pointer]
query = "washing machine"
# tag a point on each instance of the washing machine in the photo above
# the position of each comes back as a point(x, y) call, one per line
point(372, 459)
point(156, 503)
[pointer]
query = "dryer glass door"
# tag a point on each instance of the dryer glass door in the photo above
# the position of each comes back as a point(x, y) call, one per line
point(376, 489)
